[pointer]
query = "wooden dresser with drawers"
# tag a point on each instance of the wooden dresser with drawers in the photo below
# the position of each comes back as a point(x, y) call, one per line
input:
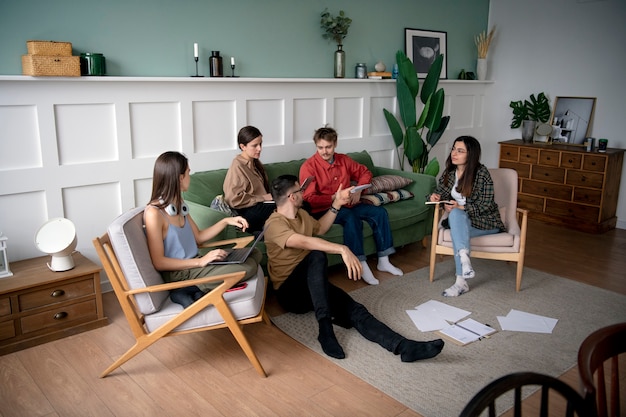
point(38, 305)
point(566, 185)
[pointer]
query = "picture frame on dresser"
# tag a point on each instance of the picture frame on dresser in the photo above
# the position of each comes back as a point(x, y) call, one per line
point(574, 117)
point(423, 46)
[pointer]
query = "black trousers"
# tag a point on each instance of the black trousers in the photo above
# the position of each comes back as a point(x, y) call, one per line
point(307, 289)
point(257, 215)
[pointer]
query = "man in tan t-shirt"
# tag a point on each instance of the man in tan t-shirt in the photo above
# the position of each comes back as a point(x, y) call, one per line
point(297, 266)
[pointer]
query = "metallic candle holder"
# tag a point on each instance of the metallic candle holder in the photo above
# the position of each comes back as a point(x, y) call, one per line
point(196, 59)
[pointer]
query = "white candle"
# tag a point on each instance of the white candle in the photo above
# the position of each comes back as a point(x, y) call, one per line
point(232, 60)
point(195, 50)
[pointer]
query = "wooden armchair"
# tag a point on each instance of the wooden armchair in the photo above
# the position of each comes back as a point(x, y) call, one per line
point(506, 246)
point(603, 345)
point(486, 398)
point(144, 296)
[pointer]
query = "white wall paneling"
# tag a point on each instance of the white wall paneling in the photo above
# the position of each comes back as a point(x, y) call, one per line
point(84, 148)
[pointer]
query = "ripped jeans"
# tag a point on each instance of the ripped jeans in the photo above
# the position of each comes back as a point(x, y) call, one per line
point(462, 231)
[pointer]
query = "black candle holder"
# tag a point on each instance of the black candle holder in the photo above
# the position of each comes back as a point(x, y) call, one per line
point(196, 59)
point(232, 71)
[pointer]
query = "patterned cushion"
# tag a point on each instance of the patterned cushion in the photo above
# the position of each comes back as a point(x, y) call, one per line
point(379, 199)
point(384, 183)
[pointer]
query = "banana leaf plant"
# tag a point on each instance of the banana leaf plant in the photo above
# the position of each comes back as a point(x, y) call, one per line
point(419, 135)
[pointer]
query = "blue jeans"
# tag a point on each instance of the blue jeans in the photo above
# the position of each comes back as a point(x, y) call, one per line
point(351, 219)
point(462, 231)
point(307, 289)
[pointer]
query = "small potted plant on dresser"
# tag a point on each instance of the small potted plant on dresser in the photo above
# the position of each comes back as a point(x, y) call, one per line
point(528, 112)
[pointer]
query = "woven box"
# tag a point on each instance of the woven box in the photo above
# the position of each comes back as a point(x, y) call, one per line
point(49, 48)
point(64, 66)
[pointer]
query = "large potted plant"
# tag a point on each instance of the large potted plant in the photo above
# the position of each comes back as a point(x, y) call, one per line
point(336, 28)
point(419, 135)
point(528, 112)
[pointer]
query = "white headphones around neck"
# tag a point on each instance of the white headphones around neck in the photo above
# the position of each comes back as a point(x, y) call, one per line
point(171, 208)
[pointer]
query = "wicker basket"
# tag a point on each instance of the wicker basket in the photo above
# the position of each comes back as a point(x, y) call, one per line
point(63, 66)
point(49, 48)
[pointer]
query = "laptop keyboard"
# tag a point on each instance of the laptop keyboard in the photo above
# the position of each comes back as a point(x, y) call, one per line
point(237, 255)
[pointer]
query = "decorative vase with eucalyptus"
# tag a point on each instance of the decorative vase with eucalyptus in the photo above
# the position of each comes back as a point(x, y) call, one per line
point(336, 28)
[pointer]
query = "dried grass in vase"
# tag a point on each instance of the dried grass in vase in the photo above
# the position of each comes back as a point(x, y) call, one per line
point(483, 41)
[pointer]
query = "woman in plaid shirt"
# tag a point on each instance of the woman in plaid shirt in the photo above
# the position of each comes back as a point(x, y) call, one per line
point(472, 210)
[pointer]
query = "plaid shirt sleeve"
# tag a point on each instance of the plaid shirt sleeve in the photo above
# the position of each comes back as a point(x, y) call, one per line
point(481, 206)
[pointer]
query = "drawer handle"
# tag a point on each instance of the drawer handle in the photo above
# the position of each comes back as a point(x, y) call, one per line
point(546, 174)
point(593, 164)
point(57, 293)
point(60, 315)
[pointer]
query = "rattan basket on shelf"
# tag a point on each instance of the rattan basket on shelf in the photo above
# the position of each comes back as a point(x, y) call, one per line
point(49, 48)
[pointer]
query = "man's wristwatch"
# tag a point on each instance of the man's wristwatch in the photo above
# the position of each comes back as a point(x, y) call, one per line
point(333, 210)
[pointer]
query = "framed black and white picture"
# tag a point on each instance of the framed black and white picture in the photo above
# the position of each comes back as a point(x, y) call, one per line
point(422, 47)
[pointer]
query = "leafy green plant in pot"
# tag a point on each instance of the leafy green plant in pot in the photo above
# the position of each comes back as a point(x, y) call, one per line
point(528, 112)
point(419, 135)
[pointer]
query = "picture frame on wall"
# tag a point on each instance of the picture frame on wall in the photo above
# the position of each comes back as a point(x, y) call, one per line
point(423, 46)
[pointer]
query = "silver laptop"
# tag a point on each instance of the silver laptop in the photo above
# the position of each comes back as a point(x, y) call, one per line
point(238, 255)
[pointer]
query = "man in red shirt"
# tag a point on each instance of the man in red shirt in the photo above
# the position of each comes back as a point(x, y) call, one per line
point(332, 169)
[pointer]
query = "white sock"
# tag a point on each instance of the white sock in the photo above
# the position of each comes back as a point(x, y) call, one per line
point(466, 265)
point(459, 287)
point(368, 275)
point(385, 266)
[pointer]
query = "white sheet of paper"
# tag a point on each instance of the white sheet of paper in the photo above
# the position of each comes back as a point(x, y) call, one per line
point(443, 311)
point(427, 322)
point(520, 321)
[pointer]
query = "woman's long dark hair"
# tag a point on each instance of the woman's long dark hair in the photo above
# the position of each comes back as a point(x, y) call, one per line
point(246, 135)
point(168, 168)
point(471, 168)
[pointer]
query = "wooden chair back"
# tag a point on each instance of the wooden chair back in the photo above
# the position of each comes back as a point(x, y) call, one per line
point(600, 350)
point(486, 398)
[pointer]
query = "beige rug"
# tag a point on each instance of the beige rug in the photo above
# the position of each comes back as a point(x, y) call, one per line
point(443, 385)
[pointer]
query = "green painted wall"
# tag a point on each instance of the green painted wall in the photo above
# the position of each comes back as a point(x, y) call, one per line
point(269, 38)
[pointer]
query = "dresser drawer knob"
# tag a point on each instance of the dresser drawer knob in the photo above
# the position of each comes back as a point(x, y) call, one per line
point(57, 293)
point(570, 160)
point(60, 315)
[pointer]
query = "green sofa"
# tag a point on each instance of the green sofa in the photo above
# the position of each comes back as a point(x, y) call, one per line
point(411, 220)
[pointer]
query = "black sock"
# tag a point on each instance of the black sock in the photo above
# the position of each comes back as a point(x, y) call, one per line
point(328, 340)
point(411, 351)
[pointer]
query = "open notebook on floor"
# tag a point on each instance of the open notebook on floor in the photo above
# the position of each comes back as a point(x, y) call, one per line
point(238, 255)
point(466, 331)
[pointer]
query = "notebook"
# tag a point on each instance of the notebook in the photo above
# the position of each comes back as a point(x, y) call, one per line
point(238, 255)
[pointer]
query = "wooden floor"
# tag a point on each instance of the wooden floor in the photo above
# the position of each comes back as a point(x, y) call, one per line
point(206, 374)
